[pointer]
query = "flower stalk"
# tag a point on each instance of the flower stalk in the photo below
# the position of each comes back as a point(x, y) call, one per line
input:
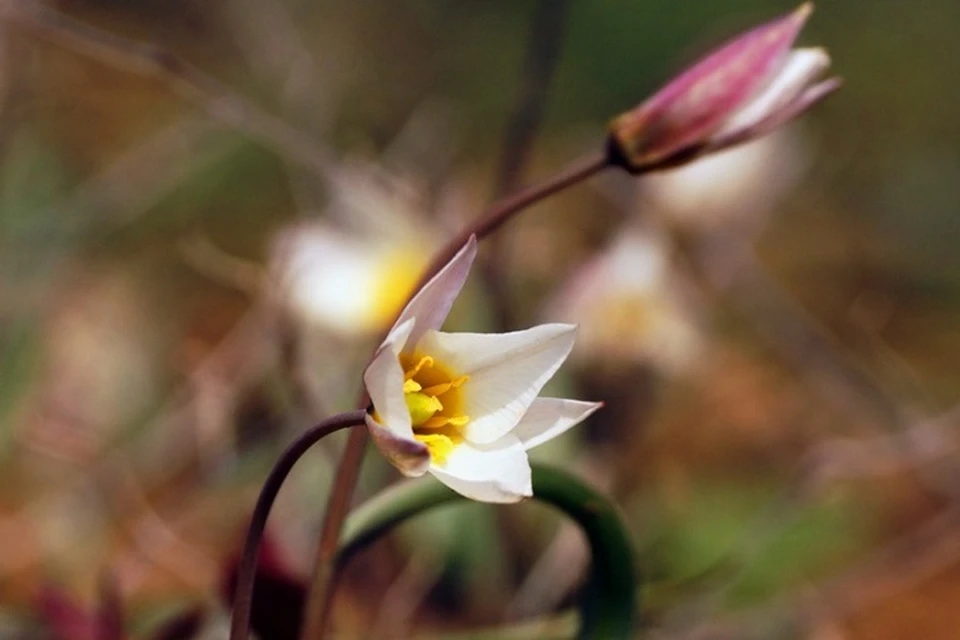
point(608, 606)
point(745, 89)
point(247, 570)
point(320, 594)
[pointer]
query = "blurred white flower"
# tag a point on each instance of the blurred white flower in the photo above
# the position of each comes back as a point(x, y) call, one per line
point(344, 283)
point(629, 308)
point(352, 274)
point(464, 406)
point(742, 184)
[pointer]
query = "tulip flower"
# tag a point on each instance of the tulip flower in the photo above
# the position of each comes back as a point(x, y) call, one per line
point(743, 90)
point(464, 406)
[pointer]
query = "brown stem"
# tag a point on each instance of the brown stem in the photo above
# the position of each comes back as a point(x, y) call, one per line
point(247, 572)
point(542, 56)
point(320, 595)
point(502, 211)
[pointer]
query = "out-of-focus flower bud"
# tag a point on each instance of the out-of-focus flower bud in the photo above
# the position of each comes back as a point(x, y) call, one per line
point(743, 90)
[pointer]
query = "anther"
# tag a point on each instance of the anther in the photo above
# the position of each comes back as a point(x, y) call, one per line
point(425, 361)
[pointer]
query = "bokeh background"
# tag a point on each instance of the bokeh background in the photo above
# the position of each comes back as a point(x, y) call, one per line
point(195, 260)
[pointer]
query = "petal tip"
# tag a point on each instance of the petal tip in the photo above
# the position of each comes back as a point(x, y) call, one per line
point(511, 495)
point(561, 329)
point(596, 407)
point(802, 13)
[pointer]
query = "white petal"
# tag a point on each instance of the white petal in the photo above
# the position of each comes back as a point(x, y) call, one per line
point(507, 371)
point(549, 417)
point(383, 379)
point(493, 473)
point(410, 456)
point(327, 277)
point(432, 303)
point(800, 69)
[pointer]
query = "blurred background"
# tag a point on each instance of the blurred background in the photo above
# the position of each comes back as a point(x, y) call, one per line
point(209, 210)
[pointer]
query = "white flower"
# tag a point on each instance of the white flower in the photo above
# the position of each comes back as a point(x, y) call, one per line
point(734, 186)
point(464, 406)
point(352, 274)
point(342, 282)
point(630, 308)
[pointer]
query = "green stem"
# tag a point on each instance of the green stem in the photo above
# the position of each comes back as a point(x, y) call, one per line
point(608, 608)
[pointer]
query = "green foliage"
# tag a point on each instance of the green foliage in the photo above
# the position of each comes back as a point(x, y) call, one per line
point(608, 605)
point(748, 543)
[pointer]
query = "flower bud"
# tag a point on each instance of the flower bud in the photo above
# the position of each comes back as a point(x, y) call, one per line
point(747, 87)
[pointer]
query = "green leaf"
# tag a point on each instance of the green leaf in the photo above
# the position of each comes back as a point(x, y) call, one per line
point(608, 609)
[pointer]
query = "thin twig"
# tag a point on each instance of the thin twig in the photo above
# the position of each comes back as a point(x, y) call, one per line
point(247, 571)
point(219, 101)
point(903, 564)
point(421, 573)
point(320, 595)
point(274, 49)
point(928, 441)
point(502, 211)
point(542, 57)
point(149, 533)
point(727, 266)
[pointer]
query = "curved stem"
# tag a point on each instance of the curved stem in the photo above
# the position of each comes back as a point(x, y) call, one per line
point(319, 596)
point(246, 575)
point(503, 210)
point(608, 607)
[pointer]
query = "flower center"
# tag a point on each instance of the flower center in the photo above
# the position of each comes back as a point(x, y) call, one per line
point(435, 401)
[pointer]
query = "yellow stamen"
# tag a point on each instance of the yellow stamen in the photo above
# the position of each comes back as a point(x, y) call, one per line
point(440, 389)
point(425, 361)
point(438, 422)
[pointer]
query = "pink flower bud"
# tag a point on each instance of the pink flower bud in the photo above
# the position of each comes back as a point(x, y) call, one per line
point(747, 87)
